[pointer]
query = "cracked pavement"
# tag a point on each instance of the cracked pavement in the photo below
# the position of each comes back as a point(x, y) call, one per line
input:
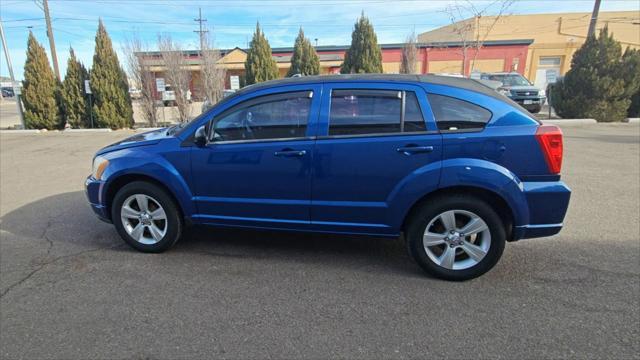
point(70, 288)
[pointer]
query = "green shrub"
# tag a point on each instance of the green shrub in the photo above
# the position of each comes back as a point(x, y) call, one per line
point(74, 102)
point(109, 85)
point(364, 54)
point(305, 60)
point(595, 87)
point(40, 89)
point(260, 65)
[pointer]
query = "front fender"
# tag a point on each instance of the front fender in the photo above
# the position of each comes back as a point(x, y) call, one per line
point(152, 165)
point(488, 176)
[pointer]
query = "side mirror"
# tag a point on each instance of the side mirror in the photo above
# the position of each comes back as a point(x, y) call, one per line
point(200, 137)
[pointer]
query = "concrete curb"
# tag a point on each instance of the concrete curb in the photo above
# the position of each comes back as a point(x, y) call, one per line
point(145, 129)
point(86, 130)
point(633, 120)
point(24, 132)
point(570, 122)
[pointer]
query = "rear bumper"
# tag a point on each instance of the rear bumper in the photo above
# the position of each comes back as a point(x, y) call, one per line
point(548, 203)
point(530, 103)
point(535, 231)
point(93, 190)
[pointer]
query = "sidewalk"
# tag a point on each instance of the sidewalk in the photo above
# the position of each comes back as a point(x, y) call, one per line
point(9, 117)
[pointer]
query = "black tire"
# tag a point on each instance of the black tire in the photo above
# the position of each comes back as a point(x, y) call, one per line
point(535, 109)
point(173, 216)
point(431, 209)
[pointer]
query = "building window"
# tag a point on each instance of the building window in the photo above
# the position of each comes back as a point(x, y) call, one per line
point(550, 61)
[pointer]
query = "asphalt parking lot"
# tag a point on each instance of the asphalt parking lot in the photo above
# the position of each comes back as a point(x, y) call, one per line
point(69, 287)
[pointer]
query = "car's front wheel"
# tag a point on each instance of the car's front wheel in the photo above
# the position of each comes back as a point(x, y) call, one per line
point(456, 237)
point(146, 217)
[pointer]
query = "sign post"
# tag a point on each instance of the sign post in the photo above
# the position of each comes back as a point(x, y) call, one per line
point(87, 90)
point(235, 82)
point(160, 88)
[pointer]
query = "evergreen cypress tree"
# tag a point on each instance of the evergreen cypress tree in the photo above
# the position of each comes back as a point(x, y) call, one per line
point(74, 101)
point(311, 60)
point(259, 65)
point(304, 60)
point(631, 75)
point(39, 89)
point(364, 54)
point(112, 102)
point(595, 85)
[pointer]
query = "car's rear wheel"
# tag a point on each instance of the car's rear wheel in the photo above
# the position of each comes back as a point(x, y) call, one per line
point(456, 237)
point(146, 217)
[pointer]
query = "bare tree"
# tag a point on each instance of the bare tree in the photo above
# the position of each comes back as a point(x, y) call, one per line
point(177, 74)
point(212, 73)
point(466, 20)
point(140, 72)
point(409, 55)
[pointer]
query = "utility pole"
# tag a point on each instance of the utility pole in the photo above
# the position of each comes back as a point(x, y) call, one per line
point(52, 44)
point(594, 18)
point(13, 79)
point(200, 32)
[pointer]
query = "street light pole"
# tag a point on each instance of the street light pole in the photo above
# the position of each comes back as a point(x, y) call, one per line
point(13, 79)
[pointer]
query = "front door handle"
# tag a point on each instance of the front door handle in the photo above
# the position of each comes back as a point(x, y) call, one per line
point(414, 149)
point(290, 153)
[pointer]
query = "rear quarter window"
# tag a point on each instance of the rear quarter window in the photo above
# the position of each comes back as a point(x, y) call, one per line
point(455, 114)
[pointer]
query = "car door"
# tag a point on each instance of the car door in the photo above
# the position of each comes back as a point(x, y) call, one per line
point(373, 137)
point(256, 169)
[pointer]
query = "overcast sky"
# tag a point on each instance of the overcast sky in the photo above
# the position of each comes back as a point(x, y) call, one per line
point(233, 22)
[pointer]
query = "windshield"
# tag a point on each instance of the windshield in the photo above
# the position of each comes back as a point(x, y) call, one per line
point(510, 80)
point(172, 130)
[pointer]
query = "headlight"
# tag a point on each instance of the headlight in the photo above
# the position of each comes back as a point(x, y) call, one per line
point(99, 166)
point(542, 93)
point(504, 92)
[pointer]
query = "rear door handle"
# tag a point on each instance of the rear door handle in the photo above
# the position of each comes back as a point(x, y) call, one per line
point(414, 149)
point(290, 153)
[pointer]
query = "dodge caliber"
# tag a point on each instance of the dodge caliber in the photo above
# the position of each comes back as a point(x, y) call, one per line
point(447, 164)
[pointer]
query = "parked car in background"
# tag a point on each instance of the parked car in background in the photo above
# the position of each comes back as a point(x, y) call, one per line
point(518, 89)
point(7, 92)
point(135, 94)
point(452, 164)
point(169, 96)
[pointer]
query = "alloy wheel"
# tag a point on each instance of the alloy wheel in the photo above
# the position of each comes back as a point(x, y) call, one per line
point(144, 219)
point(457, 239)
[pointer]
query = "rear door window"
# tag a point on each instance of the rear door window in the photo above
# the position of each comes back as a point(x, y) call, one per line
point(367, 111)
point(455, 114)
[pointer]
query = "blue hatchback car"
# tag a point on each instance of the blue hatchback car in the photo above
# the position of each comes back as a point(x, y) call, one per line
point(455, 166)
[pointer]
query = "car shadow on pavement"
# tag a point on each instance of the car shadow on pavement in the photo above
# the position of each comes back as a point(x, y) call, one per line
point(67, 218)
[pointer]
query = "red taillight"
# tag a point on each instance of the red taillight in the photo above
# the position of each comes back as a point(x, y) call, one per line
point(550, 139)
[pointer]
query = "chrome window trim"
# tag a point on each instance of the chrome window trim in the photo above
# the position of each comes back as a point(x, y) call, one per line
point(427, 132)
point(253, 141)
